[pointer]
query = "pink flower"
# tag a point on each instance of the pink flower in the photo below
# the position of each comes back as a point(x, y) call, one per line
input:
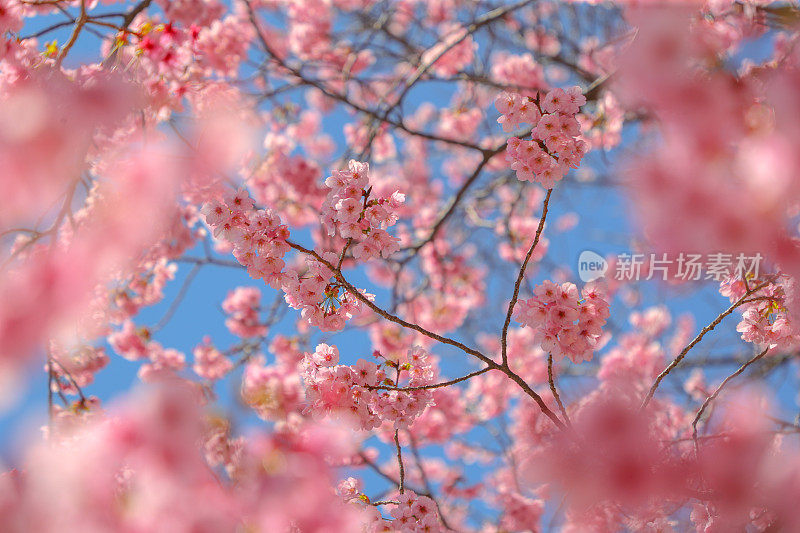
point(555, 147)
point(243, 304)
point(564, 324)
point(210, 363)
point(325, 355)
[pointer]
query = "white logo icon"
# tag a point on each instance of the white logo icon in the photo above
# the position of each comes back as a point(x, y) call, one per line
point(591, 266)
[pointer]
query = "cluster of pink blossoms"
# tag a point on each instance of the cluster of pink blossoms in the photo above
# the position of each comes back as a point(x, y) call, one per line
point(173, 58)
point(332, 388)
point(567, 323)
point(135, 344)
point(766, 321)
point(144, 288)
point(411, 514)
point(291, 182)
point(323, 301)
point(158, 438)
point(272, 391)
point(243, 304)
point(210, 363)
point(349, 208)
point(518, 70)
point(257, 236)
point(415, 514)
point(554, 148)
point(76, 367)
point(519, 512)
point(309, 28)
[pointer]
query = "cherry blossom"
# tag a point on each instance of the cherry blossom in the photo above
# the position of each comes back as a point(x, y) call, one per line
point(567, 323)
point(380, 213)
point(553, 148)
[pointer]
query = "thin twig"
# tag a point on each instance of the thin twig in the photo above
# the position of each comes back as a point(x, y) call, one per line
point(697, 339)
point(719, 389)
point(70, 378)
point(401, 481)
point(79, 23)
point(553, 389)
point(520, 277)
point(179, 298)
point(433, 385)
point(209, 261)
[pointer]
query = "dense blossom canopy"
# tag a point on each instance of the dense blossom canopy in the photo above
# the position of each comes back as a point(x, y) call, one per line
point(392, 195)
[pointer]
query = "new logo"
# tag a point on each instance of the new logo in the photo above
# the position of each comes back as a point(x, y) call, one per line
point(591, 266)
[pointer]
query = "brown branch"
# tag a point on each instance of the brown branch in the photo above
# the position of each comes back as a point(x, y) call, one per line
point(138, 8)
point(388, 316)
point(444, 340)
point(69, 377)
point(376, 115)
point(481, 21)
point(453, 203)
point(79, 23)
point(719, 389)
point(402, 480)
point(697, 339)
point(553, 389)
point(377, 469)
point(520, 276)
point(434, 385)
